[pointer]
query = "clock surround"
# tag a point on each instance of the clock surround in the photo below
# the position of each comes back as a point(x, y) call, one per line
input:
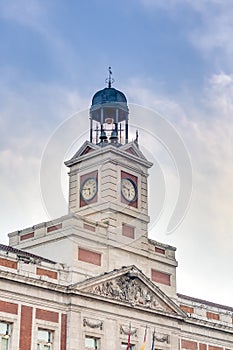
point(131, 179)
point(88, 195)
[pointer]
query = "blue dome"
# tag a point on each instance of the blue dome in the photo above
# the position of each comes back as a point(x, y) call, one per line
point(108, 95)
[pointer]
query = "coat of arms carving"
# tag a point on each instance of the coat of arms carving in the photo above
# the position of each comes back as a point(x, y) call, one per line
point(128, 289)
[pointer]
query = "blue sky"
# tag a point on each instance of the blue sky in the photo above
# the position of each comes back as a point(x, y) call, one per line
point(94, 34)
point(174, 57)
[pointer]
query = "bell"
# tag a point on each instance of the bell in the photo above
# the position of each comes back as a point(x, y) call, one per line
point(103, 137)
point(114, 137)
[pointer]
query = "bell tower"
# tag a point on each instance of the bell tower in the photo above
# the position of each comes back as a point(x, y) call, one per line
point(109, 116)
point(108, 174)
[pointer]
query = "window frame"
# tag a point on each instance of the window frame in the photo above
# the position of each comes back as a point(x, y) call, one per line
point(132, 346)
point(7, 334)
point(96, 338)
point(42, 343)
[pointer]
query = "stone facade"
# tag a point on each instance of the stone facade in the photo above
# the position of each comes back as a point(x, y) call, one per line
point(92, 279)
point(37, 294)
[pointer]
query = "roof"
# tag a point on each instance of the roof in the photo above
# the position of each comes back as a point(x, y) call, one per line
point(108, 95)
point(206, 302)
point(19, 252)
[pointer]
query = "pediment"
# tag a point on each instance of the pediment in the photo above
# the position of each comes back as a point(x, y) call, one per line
point(130, 286)
point(86, 148)
point(133, 149)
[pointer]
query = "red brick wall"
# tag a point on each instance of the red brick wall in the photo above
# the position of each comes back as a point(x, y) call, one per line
point(89, 256)
point(160, 277)
point(8, 263)
point(160, 250)
point(25, 328)
point(128, 231)
point(89, 227)
point(11, 308)
point(54, 227)
point(44, 272)
point(27, 236)
point(47, 315)
point(192, 345)
point(212, 315)
point(188, 344)
point(188, 309)
point(63, 331)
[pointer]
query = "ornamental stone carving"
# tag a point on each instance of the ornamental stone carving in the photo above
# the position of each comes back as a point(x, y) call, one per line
point(133, 332)
point(129, 289)
point(163, 339)
point(91, 324)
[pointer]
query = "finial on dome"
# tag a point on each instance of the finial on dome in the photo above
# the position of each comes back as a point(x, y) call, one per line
point(110, 80)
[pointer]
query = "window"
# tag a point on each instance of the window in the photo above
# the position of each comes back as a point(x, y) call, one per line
point(4, 335)
point(92, 343)
point(124, 346)
point(44, 339)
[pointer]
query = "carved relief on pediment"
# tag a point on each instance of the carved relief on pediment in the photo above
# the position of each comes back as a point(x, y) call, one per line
point(131, 290)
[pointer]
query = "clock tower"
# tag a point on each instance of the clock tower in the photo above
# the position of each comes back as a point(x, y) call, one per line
point(108, 174)
point(106, 226)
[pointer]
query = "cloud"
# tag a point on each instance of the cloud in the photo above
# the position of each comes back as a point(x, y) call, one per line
point(29, 114)
point(28, 13)
point(207, 133)
point(210, 33)
point(36, 16)
point(214, 36)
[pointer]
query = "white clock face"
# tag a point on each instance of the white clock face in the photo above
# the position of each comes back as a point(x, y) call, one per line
point(128, 189)
point(89, 189)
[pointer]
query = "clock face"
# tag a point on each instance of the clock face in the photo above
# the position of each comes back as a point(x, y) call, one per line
point(128, 189)
point(89, 189)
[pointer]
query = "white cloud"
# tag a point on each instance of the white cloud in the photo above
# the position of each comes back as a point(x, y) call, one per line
point(29, 13)
point(36, 15)
point(208, 226)
point(137, 92)
point(214, 36)
point(29, 114)
point(205, 135)
point(211, 34)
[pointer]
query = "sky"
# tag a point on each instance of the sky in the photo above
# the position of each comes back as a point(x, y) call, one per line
point(173, 61)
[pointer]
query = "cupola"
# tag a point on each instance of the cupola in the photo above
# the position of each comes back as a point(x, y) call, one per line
point(109, 116)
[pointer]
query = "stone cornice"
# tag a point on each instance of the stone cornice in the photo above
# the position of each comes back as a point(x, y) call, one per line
point(71, 291)
point(162, 245)
point(108, 149)
point(32, 281)
point(208, 324)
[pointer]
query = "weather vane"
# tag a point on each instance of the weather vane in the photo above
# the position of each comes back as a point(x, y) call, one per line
point(109, 80)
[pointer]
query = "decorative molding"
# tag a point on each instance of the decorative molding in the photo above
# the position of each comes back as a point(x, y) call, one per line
point(126, 331)
point(163, 339)
point(91, 324)
point(129, 288)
